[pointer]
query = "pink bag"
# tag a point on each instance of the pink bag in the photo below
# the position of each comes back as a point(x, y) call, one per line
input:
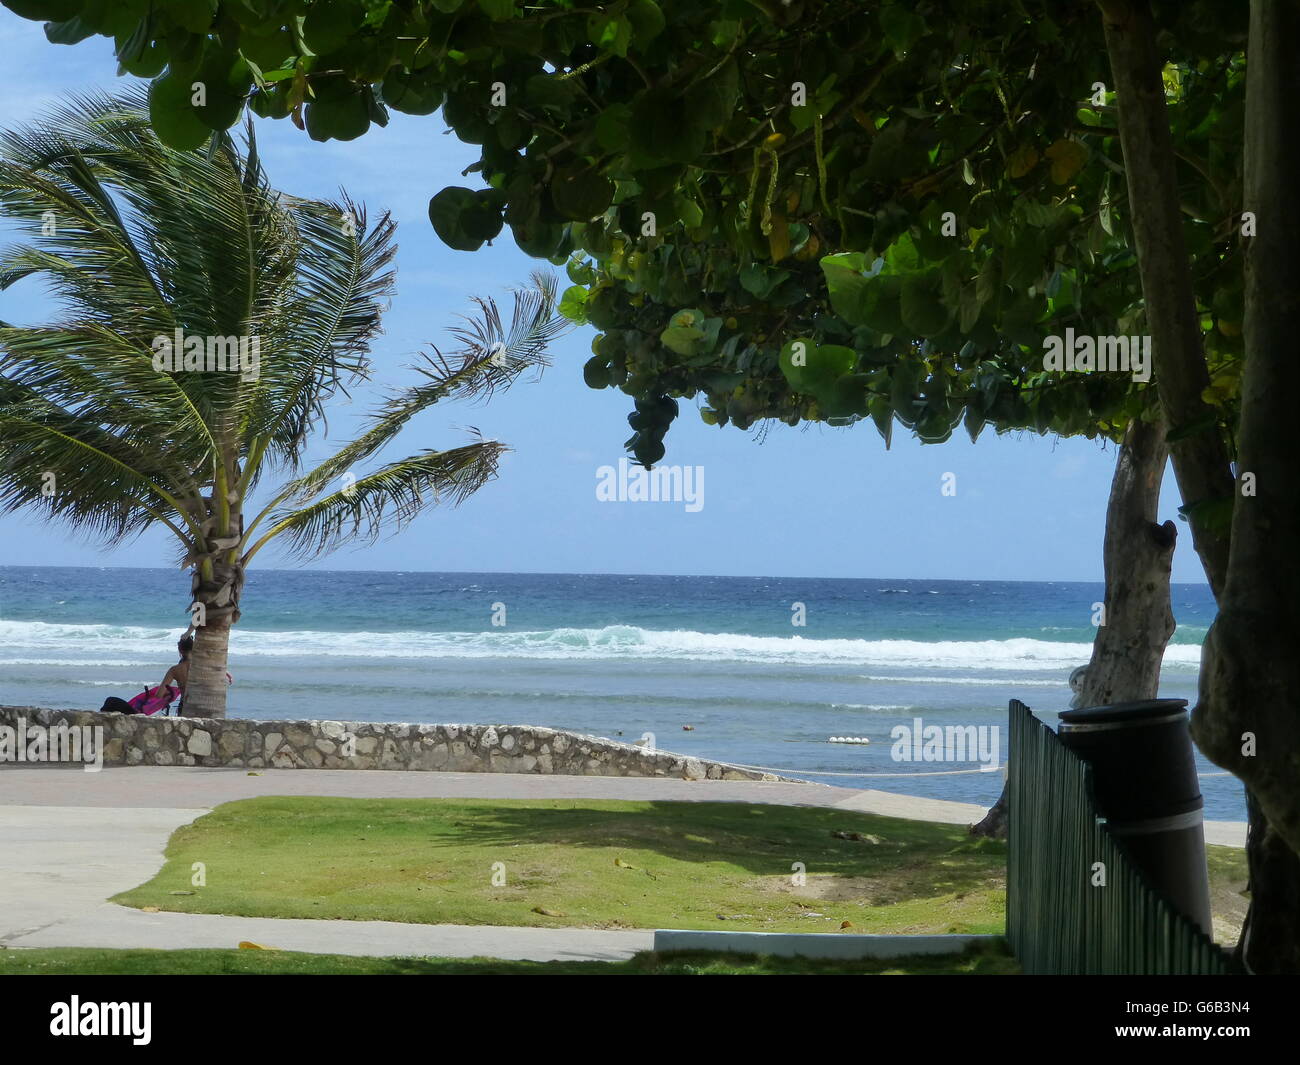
point(152, 700)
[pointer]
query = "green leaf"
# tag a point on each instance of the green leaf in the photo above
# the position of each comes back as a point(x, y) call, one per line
point(904, 382)
point(498, 10)
point(689, 213)
point(611, 128)
point(761, 281)
point(172, 116)
point(138, 55)
point(902, 26)
point(463, 218)
point(1038, 214)
point(846, 284)
point(573, 304)
point(328, 26)
point(550, 92)
point(581, 272)
point(691, 333)
point(712, 102)
point(969, 311)
point(342, 114)
point(610, 32)
point(814, 368)
point(269, 50)
point(72, 31)
point(882, 414)
point(988, 280)
point(413, 94)
point(663, 128)
point(269, 103)
point(846, 397)
point(226, 79)
point(596, 372)
point(902, 256)
point(1212, 515)
point(887, 159)
point(647, 21)
point(882, 310)
point(922, 310)
point(581, 192)
point(45, 10)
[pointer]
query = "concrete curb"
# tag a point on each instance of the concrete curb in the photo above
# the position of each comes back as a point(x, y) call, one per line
point(816, 944)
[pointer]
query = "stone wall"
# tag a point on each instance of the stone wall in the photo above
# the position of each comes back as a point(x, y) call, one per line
point(134, 740)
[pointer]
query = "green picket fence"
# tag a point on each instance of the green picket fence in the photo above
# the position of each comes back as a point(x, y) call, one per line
point(1057, 921)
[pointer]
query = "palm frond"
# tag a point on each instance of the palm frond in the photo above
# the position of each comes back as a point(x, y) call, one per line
point(138, 242)
point(100, 482)
point(472, 371)
point(326, 323)
point(388, 498)
point(491, 358)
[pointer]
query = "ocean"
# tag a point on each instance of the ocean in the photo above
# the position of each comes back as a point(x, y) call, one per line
point(610, 655)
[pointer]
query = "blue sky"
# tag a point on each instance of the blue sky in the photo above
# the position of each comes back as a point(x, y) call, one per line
point(812, 501)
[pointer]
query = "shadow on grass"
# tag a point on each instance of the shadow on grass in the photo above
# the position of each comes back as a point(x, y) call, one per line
point(757, 838)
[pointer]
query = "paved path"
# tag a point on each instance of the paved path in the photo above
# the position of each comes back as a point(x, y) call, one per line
point(162, 787)
point(70, 839)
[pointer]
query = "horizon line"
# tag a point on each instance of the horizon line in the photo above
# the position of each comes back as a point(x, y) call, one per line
point(558, 573)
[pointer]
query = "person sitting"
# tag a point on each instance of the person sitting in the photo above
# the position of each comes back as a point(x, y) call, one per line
point(180, 672)
point(152, 700)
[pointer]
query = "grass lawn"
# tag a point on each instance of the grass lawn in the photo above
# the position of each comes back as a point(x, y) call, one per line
point(1228, 904)
point(581, 863)
point(80, 961)
point(600, 864)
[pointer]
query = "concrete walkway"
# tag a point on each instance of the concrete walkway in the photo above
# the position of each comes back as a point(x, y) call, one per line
point(70, 839)
point(192, 787)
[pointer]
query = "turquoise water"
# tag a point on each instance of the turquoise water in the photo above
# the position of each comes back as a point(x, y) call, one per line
point(612, 655)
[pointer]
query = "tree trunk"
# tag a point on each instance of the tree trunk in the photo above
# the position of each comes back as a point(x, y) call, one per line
point(1248, 716)
point(1201, 461)
point(1138, 555)
point(217, 585)
point(205, 694)
point(1130, 644)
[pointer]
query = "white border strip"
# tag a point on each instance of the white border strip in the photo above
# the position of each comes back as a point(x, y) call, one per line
point(816, 944)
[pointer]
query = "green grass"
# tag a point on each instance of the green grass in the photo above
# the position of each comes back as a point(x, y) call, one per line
point(1228, 900)
point(684, 865)
point(80, 961)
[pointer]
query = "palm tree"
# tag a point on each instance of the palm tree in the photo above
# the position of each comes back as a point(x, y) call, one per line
point(147, 246)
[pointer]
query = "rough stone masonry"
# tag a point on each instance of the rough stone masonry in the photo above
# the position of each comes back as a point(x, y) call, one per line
point(134, 740)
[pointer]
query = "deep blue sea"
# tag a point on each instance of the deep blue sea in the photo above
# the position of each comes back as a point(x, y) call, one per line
point(611, 655)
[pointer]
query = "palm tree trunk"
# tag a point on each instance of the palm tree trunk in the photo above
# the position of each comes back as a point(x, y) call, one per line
point(217, 586)
point(205, 694)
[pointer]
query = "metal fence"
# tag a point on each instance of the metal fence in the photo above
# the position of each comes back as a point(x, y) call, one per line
point(1060, 919)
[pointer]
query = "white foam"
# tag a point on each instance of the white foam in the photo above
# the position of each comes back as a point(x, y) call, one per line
point(869, 706)
point(32, 643)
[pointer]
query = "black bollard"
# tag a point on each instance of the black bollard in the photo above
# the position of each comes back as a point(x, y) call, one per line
point(1144, 778)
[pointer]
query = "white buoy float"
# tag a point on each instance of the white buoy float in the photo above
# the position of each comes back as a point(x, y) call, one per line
point(848, 739)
